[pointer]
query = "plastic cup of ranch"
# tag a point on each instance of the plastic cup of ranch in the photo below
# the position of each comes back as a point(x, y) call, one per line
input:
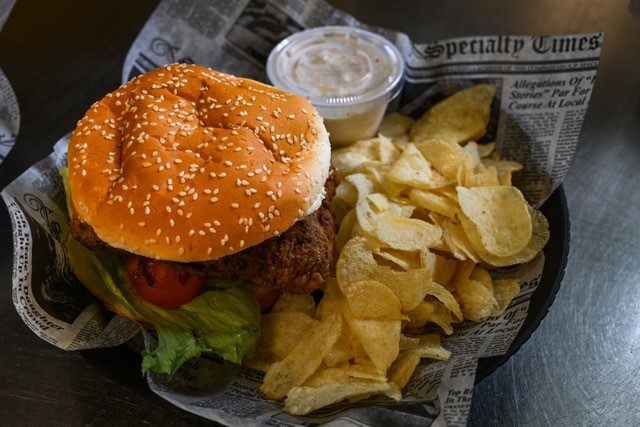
point(348, 74)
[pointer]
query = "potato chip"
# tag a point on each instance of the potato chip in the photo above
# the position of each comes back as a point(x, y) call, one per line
point(485, 150)
point(445, 297)
point(378, 201)
point(459, 118)
point(476, 300)
point(419, 316)
point(445, 156)
point(346, 193)
point(410, 286)
point(441, 315)
point(367, 371)
point(427, 260)
point(539, 237)
point(301, 362)
point(365, 212)
point(326, 376)
point(407, 361)
point(304, 400)
point(504, 178)
point(407, 234)
point(357, 262)
point(463, 271)
point(481, 275)
point(346, 348)
point(472, 149)
point(383, 150)
point(290, 302)
point(434, 201)
point(500, 216)
point(281, 332)
point(345, 232)
point(455, 238)
point(261, 361)
point(379, 337)
point(504, 291)
point(401, 206)
point(378, 172)
point(407, 342)
point(403, 367)
point(380, 148)
point(397, 259)
point(481, 177)
point(449, 192)
point(502, 165)
point(429, 346)
point(443, 270)
point(370, 299)
point(396, 126)
point(414, 170)
point(474, 289)
point(349, 159)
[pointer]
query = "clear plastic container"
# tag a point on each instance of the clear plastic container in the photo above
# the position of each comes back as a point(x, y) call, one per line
point(350, 75)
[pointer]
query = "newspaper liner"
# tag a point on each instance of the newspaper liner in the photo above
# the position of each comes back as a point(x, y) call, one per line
point(9, 111)
point(543, 89)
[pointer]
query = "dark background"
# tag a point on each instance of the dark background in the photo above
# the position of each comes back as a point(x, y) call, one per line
point(579, 368)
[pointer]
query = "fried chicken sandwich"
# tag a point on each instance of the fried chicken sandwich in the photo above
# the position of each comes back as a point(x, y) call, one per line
point(190, 193)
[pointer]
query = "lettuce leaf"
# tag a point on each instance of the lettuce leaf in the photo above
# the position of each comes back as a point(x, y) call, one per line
point(224, 319)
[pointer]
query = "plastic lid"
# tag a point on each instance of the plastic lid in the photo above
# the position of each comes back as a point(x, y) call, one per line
point(336, 66)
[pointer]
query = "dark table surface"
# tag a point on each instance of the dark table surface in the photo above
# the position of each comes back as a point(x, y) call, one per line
point(580, 367)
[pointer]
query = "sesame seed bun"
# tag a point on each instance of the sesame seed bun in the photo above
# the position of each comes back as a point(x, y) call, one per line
point(188, 164)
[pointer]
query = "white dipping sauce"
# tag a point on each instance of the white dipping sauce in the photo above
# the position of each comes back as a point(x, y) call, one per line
point(348, 74)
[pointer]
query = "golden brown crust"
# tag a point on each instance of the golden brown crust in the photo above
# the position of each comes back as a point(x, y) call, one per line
point(188, 164)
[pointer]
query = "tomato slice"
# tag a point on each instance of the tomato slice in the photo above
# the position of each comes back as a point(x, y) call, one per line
point(163, 284)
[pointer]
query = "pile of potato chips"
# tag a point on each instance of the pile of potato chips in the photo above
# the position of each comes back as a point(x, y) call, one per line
point(425, 213)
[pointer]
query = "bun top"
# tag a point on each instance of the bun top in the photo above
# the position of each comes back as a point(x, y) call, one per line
point(188, 164)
